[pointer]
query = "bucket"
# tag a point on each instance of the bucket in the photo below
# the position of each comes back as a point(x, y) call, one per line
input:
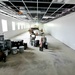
point(14, 50)
point(21, 49)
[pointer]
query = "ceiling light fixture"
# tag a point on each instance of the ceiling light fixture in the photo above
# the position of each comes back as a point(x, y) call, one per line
point(46, 17)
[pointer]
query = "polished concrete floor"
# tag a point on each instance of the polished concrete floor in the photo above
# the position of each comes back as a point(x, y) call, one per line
point(59, 59)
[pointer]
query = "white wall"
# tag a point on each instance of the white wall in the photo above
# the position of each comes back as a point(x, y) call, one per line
point(10, 33)
point(63, 29)
point(40, 26)
point(35, 24)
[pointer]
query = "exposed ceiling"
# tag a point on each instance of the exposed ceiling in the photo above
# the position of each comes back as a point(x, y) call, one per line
point(40, 10)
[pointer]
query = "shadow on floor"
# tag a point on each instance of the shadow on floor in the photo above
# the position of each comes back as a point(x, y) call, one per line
point(21, 58)
point(52, 48)
point(29, 48)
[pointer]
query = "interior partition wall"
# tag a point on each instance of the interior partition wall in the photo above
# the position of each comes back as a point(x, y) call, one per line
point(63, 29)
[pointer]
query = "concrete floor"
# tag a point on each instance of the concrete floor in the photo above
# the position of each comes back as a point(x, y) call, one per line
point(57, 60)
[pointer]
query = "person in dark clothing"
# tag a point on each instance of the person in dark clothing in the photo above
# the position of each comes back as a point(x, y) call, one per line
point(44, 40)
point(45, 44)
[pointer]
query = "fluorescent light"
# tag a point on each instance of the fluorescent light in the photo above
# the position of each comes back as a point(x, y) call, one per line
point(21, 16)
point(60, 1)
point(46, 17)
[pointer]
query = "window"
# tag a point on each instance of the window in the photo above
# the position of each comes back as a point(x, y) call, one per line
point(4, 25)
point(21, 26)
point(18, 26)
point(13, 25)
point(24, 27)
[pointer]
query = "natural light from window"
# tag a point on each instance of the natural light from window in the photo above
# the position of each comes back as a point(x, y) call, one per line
point(13, 25)
point(18, 26)
point(4, 25)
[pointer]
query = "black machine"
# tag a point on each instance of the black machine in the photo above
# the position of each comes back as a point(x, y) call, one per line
point(36, 43)
point(2, 42)
point(1, 37)
point(25, 45)
point(17, 43)
point(2, 47)
point(8, 44)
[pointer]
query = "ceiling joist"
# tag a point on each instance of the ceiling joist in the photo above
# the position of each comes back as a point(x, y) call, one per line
point(37, 9)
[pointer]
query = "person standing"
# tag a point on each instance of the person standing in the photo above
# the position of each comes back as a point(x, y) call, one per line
point(41, 45)
point(32, 38)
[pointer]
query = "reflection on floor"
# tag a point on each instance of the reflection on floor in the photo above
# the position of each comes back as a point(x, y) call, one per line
point(57, 60)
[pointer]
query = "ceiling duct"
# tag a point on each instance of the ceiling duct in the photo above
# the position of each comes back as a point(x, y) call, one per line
point(60, 1)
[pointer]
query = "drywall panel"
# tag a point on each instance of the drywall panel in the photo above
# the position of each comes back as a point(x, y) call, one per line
point(63, 29)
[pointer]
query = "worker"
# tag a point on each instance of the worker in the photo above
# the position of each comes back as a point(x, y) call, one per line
point(32, 38)
point(41, 45)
